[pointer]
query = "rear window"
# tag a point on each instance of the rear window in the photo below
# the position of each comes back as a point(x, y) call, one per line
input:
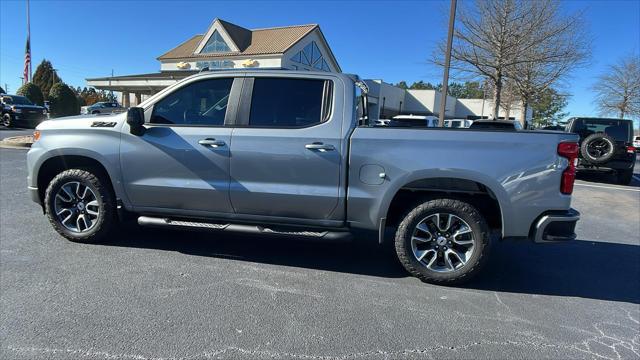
point(618, 129)
point(287, 103)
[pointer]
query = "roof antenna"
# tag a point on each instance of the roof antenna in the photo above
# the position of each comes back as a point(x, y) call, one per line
point(206, 68)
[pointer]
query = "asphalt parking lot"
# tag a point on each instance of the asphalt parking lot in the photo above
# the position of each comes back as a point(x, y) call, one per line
point(157, 294)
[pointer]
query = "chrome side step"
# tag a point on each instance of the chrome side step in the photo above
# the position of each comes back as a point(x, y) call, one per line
point(245, 228)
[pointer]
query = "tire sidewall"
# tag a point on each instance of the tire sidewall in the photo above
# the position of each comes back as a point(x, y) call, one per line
point(104, 204)
point(454, 207)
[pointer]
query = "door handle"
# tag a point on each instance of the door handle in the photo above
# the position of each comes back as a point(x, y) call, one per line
point(320, 146)
point(211, 142)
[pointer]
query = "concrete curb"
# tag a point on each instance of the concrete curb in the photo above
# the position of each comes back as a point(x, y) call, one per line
point(16, 142)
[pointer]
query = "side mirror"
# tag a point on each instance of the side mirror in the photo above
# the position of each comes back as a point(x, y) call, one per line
point(135, 119)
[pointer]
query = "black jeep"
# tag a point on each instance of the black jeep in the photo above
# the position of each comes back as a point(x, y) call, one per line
point(605, 144)
point(18, 110)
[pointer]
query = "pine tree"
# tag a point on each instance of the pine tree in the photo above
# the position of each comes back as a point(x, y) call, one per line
point(45, 77)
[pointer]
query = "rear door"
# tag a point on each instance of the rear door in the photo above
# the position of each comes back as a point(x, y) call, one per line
point(181, 163)
point(287, 149)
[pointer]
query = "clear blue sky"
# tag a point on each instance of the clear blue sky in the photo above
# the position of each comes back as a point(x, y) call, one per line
point(389, 40)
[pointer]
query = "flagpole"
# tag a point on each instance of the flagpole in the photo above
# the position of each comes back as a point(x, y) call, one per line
point(29, 37)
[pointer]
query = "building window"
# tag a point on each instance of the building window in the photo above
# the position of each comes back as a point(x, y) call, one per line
point(216, 44)
point(311, 56)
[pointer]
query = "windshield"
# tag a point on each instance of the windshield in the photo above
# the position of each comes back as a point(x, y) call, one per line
point(16, 100)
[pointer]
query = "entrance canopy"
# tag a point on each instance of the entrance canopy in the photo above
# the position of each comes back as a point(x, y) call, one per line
point(147, 84)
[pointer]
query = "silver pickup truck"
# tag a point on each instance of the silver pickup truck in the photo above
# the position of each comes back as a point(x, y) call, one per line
point(290, 153)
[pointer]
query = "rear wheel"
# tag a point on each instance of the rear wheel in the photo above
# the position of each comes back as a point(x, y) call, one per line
point(623, 177)
point(80, 205)
point(443, 241)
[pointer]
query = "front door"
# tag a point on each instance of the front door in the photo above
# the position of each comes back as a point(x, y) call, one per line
point(286, 150)
point(181, 163)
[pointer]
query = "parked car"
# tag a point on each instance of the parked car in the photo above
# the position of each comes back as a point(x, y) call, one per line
point(636, 143)
point(414, 120)
point(553, 127)
point(290, 153)
point(605, 144)
point(105, 107)
point(458, 123)
point(500, 125)
point(19, 111)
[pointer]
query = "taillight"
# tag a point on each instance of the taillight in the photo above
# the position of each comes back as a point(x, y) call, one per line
point(631, 149)
point(568, 150)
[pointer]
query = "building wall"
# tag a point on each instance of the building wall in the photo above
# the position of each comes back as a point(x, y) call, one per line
point(474, 107)
point(287, 63)
point(227, 63)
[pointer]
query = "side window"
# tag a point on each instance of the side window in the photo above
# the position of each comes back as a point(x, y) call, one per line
point(200, 103)
point(286, 102)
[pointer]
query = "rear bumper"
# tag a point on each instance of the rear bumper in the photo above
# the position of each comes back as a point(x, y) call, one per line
point(555, 226)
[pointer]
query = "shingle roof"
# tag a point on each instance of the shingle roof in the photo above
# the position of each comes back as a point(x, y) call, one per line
point(251, 42)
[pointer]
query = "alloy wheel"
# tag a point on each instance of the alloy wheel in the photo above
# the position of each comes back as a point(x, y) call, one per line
point(443, 242)
point(76, 207)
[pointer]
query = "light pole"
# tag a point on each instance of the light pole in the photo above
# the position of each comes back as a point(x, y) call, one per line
point(447, 63)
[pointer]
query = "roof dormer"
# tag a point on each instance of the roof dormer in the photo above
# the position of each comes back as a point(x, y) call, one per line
point(223, 37)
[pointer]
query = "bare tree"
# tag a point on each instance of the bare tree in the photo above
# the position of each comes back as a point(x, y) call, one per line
point(562, 46)
point(493, 37)
point(618, 90)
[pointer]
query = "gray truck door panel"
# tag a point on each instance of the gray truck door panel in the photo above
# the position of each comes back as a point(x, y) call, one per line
point(282, 163)
point(183, 166)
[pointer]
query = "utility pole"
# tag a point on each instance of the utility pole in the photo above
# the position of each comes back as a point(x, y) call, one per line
point(447, 63)
point(6, 88)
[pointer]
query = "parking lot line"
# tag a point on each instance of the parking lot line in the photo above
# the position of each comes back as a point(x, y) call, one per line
point(607, 187)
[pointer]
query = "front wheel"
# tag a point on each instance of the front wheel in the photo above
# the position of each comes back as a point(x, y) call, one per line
point(80, 205)
point(7, 121)
point(443, 241)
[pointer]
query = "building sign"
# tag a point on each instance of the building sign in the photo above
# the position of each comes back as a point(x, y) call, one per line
point(215, 64)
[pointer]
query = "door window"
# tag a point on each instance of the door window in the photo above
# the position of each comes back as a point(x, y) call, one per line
point(201, 103)
point(289, 103)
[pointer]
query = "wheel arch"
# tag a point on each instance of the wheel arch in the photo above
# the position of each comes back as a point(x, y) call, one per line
point(58, 163)
point(480, 191)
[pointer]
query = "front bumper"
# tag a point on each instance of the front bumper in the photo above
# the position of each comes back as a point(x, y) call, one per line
point(555, 226)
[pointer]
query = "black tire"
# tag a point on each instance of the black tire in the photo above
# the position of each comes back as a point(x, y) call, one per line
point(7, 121)
point(624, 177)
point(594, 140)
point(105, 197)
point(464, 211)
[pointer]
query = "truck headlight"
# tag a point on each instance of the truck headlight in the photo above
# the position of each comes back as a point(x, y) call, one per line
point(17, 111)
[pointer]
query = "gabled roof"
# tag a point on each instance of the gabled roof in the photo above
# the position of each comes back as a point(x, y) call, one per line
point(266, 41)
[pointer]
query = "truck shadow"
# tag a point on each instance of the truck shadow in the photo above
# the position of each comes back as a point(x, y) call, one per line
point(586, 269)
point(581, 268)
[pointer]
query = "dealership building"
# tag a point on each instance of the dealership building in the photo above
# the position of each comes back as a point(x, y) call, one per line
point(300, 47)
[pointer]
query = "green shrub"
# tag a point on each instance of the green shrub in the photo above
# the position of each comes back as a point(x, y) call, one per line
point(63, 101)
point(32, 92)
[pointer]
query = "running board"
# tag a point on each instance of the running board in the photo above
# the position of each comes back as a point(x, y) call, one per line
point(245, 228)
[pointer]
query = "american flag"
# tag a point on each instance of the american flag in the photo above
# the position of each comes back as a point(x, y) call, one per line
point(27, 51)
point(27, 61)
